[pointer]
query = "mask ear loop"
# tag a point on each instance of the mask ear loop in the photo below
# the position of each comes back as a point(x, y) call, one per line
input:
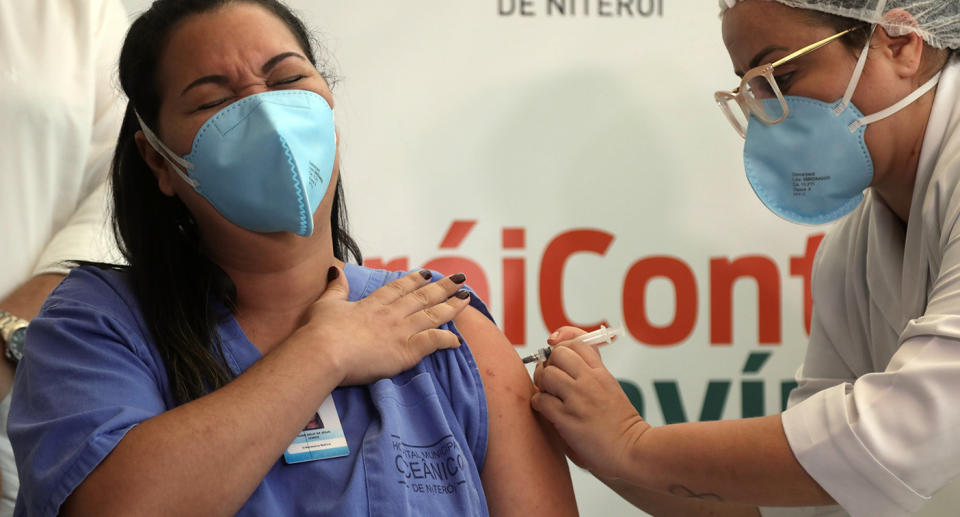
point(904, 102)
point(855, 79)
point(167, 154)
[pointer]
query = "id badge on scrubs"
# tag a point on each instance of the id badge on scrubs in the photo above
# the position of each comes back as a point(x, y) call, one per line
point(321, 438)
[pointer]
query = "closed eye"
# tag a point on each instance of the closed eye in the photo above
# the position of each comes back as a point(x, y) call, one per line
point(288, 80)
point(783, 81)
point(212, 104)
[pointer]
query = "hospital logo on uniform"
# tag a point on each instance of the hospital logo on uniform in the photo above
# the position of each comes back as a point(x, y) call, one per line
point(438, 468)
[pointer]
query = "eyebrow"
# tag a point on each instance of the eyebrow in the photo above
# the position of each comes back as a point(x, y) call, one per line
point(757, 59)
point(222, 79)
point(273, 61)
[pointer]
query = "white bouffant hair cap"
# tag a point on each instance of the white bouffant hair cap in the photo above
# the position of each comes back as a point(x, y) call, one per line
point(936, 21)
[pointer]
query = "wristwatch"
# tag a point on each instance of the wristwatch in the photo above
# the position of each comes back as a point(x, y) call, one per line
point(13, 332)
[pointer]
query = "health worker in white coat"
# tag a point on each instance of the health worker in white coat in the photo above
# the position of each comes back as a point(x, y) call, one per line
point(849, 109)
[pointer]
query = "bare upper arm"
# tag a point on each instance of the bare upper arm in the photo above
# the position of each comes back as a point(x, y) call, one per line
point(525, 472)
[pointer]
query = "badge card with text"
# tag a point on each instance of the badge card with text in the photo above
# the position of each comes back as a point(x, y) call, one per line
point(322, 437)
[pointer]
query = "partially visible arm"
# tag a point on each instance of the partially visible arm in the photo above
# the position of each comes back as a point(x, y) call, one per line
point(207, 456)
point(86, 236)
point(658, 504)
point(25, 303)
point(745, 461)
point(525, 472)
point(26, 300)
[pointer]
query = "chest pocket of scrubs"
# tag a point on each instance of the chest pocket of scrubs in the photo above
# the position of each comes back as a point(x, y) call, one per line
point(415, 465)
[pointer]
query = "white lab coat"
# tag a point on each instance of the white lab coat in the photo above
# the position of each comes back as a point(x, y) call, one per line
point(876, 416)
point(60, 112)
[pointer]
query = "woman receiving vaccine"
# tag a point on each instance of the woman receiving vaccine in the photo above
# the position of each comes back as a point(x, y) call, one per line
point(237, 365)
point(858, 102)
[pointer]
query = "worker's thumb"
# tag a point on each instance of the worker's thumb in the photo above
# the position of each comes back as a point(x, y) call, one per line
point(564, 334)
point(337, 286)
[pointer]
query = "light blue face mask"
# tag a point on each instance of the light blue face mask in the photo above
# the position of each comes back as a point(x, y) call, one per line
point(813, 166)
point(264, 162)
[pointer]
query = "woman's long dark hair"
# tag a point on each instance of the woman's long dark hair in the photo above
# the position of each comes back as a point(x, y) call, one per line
point(176, 285)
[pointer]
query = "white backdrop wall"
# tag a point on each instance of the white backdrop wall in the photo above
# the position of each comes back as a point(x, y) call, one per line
point(575, 165)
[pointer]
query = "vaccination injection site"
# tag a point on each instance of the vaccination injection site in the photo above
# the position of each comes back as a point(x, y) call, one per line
point(509, 258)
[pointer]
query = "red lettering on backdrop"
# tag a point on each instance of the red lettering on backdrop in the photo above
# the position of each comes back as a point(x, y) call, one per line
point(723, 274)
point(555, 257)
point(448, 265)
point(476, 278)
point(514, 287)
point(802, 267)
point(514, 238)
point(456, 234)
point(397, 264)
point(634, 301)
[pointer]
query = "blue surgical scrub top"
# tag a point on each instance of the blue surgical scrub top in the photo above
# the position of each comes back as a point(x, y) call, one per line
point(91, 372)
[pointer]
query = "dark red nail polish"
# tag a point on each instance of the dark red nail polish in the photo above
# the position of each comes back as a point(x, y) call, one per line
point(463, 294)
point(332, 273)
point(426, 274)
point(458, 278)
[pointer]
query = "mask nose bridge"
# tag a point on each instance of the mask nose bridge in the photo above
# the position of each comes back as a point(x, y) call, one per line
point(234, 114)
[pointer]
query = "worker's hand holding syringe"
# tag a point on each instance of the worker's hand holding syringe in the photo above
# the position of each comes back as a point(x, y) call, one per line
point(585, 402)
point(601, 336)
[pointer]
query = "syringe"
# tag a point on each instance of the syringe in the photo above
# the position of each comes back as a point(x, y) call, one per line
point(602, 335)
point(540, 355)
